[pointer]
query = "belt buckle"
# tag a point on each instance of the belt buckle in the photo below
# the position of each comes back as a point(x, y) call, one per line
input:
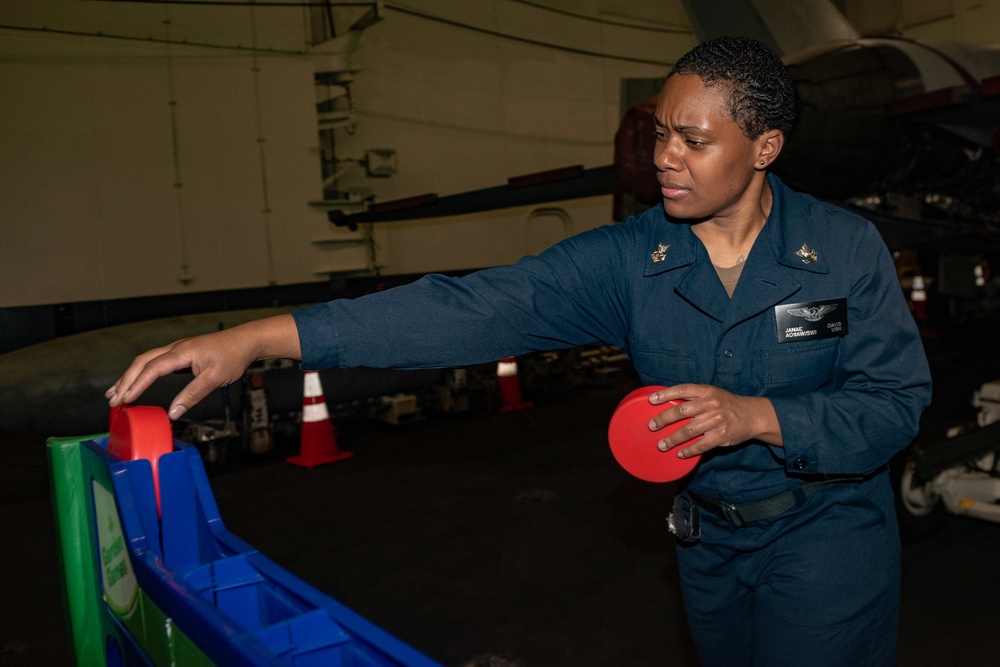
point(684, 520)
point(732, 513)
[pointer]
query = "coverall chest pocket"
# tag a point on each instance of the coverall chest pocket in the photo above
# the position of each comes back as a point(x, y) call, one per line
point(666, 367)
point(794, 368)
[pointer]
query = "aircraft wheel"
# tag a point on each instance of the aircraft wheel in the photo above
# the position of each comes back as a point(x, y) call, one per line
point(919, 509)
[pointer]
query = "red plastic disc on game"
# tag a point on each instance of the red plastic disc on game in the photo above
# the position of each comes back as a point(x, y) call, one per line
point(634, 445)
point(141, 432)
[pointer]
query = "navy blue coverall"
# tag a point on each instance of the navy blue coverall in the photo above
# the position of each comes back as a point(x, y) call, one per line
point(816, 585)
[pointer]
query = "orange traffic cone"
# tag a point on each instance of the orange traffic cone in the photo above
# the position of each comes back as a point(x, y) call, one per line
point(318, 444)
point(510, 386)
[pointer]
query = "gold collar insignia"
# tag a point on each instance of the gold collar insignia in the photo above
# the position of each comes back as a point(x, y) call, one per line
point(660, 253)
point(807, 254)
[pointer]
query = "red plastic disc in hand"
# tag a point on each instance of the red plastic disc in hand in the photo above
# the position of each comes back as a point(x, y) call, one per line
point(634, 445)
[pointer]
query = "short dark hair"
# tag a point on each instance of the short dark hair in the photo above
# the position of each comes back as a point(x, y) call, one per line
point(761, 95)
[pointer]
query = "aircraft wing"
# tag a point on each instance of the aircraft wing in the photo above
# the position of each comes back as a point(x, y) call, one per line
point(559, 184)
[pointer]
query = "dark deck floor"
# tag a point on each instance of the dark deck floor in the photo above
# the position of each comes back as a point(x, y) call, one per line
point(515, 535)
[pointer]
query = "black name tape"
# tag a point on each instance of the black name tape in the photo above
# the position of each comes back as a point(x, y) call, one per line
point(798, 322)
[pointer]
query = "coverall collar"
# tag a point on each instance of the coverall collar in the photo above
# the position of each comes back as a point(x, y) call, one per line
point(769, 276)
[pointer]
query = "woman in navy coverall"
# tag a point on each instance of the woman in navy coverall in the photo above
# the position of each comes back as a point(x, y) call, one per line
point(778, 318)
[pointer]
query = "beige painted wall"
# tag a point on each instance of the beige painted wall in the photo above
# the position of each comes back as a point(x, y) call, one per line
point(88, 203)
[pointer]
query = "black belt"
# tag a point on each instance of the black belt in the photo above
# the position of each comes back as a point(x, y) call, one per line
point(758, 510)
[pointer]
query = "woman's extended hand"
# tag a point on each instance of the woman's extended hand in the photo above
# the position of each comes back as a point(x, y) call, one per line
point(215, 359)
point(723, 419)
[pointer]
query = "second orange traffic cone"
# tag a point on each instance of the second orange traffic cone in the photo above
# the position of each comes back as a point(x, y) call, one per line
point(510, 386)
point(318, 445)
